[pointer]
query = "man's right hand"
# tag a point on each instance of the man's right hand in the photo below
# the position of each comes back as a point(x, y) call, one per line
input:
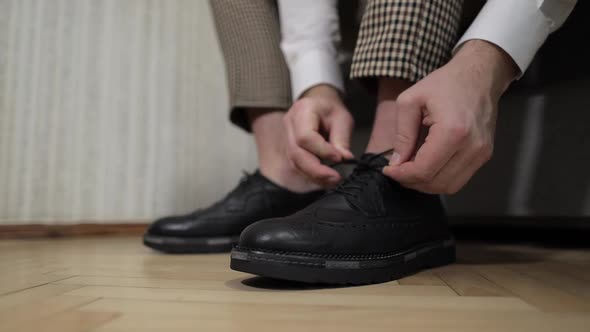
point(319, 128)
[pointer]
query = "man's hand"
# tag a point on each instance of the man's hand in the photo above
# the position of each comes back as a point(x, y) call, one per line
point(318, 127)
point(458, 105)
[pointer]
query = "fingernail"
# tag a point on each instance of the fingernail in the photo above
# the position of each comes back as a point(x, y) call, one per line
point(395, 157)
point(344, 152)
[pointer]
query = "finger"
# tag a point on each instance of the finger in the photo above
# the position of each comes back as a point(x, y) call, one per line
point(340, 127)
point(443, 182)
point(309, 164)
point(457, 172)
point(306, 128)
point(409, 116)
point(461, 168)
point(461, 179)
point(440, 146)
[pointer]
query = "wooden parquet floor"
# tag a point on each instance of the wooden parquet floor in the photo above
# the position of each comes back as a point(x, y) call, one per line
point(113, 284)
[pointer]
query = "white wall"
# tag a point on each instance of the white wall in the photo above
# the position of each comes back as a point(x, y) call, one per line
point(112, 111)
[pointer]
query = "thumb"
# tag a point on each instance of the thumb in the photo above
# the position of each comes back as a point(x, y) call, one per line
point(341, 126)
point(409, 117)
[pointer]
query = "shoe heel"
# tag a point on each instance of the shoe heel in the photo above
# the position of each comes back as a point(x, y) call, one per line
point(440, 256)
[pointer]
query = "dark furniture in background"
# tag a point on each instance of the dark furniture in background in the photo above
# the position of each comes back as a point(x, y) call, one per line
point(540, 172)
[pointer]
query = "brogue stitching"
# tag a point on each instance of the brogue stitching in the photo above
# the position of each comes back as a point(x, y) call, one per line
point(327, 256)
point(283, 261)
point(374, 225)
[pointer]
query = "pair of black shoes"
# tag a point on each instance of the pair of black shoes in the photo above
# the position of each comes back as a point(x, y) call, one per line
point(369, 229)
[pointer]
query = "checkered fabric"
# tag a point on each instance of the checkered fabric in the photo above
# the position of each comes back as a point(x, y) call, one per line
point(257, 74)
point(405, 39)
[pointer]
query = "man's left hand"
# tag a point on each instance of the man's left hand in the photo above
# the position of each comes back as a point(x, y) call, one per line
point(458, 105)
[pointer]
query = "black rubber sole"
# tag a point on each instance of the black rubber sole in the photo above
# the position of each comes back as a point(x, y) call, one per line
point(190, 245)
point(333, 269)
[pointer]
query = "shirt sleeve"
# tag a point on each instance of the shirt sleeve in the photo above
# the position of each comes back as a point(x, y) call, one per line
point(310, 38)
point(519, 27)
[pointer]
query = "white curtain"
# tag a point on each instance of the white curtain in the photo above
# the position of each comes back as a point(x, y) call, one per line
point(112, 111)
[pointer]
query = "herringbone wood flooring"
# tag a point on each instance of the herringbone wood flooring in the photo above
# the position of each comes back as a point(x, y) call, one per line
point(115, 284)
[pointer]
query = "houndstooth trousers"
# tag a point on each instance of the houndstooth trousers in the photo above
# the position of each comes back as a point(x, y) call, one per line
point(404, 39)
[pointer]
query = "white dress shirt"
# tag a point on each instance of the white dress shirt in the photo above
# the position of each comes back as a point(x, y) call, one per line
point(519, 27)
point(311, 35)
point(310, 38)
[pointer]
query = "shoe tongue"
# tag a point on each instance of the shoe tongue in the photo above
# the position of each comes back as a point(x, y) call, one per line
point(375, 160)
point(365, 183)
point(258, 177)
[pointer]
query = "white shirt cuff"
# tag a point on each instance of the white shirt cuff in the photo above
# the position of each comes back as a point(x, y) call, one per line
point(517, 27)
point(312, 68)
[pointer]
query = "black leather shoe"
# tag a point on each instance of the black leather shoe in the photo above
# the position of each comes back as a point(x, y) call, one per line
point(218, 227)
point(368, 230)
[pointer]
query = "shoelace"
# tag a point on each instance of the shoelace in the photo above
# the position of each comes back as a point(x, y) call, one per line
point(354, 184)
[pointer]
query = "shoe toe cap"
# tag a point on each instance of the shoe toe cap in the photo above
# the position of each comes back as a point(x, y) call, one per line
point(273, 234)
point(169, 226)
